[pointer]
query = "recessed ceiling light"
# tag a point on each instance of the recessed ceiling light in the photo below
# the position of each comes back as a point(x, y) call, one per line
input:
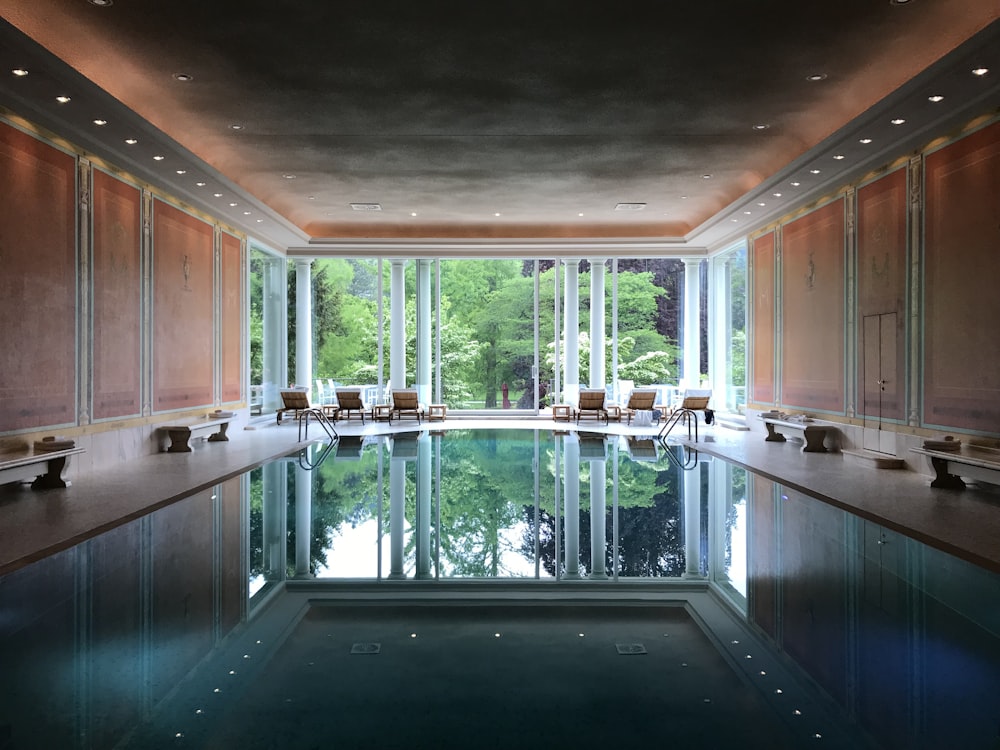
point(62, 99)
point(980, 71)
point(217, 195)
point(183, 77)
point(838, 157)
point(865, 141)
point(200, 184)
point(776, 195)
point(366, 206)
point(761, 126)
point(159, 158)
point(813, 171)
point(19, 72)
point(897, 121)
point(182, 171)
point(131, 141)
point(935, 98)
point(816, 77)
point(795, 184)
point(99, 121)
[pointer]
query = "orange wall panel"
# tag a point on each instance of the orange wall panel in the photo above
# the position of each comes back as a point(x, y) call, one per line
point(961, 298)
point(117, 297)
point(812, 288)
point(183, 284)
point(882, 209)
point(762, 351)
point(38, 284)
point(232, 318)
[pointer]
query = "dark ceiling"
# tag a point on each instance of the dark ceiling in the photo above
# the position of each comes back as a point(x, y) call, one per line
point(497, 121)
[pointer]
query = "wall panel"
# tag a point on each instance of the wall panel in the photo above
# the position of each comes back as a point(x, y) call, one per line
point(183, 286)
point(961, 301)
point(882, 208)
point(117, 357)
point(762, 351)
point(38, 285)
point(812, 316)
point(231, 319)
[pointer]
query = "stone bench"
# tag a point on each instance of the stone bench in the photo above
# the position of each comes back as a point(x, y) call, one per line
point(181, 432)
point(43, 468)
point(950, 466)
point(813, 433)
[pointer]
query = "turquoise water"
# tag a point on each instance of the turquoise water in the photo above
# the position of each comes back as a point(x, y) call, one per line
point(499, 589)
point(519, 504)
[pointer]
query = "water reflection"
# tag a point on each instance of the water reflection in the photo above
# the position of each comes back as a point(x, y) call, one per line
point(487, 504)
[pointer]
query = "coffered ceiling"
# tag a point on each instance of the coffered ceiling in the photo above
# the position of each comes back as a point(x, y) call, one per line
point(490, 126)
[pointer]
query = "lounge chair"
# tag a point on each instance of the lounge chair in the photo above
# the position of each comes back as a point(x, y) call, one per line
point(592, 402)
point(639, 401)
point(296, 402)
point(405, 402)
point(349, 401)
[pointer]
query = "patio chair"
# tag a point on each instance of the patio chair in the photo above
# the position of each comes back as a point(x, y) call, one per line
point(349, 401)
point(592, 402)
point(639, 401)
point(296, 402)
point(405, 402)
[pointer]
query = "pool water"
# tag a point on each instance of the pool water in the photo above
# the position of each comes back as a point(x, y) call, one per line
point(523, 504)
point(500, 589)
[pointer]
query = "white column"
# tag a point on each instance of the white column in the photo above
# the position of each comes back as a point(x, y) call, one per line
point(274, 505)
point(692, 323)
point(397, 517)
point(719, 330)
point(423, 375)
point(572, 327)
point(598, 376)
point(598, 519)
point(572, 540)
point(275, 336)
point(303, 323)
point(397, 325)
point(424, 506)
point(303, 520)
point(692, 522)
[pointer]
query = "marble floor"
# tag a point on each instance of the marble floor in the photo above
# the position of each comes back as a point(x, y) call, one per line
point(38, 523)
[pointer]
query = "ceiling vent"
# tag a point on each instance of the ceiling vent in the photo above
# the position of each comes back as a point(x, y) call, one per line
point(366, 206)
point(630, 206)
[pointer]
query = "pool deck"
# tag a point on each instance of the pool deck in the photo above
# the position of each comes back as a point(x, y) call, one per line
point(37, 523)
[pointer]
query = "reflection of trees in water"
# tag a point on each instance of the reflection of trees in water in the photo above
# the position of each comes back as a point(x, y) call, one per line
point(651, 538)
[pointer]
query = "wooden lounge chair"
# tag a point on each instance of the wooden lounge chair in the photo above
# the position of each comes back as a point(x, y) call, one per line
point(592, 402)
point(405, 402)
point(639, 401)
point(296, 402)
point(349, 401)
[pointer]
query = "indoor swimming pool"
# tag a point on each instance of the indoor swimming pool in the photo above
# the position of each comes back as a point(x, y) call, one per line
point(499, 588)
